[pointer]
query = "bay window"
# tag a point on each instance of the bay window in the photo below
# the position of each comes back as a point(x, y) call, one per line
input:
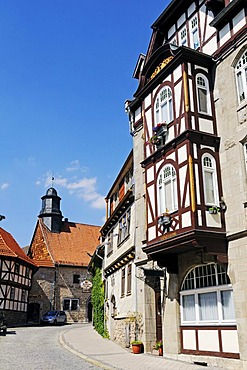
point(206, 297)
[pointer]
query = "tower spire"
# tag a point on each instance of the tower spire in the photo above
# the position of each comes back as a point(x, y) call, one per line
point(50, 212)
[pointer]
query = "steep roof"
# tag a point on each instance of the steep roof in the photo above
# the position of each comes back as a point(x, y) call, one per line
point(10, 248)
point(68, 247)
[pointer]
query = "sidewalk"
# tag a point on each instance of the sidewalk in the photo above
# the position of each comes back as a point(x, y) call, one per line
point(86, 343)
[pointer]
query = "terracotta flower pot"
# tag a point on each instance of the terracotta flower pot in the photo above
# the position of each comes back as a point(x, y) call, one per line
point(160, 351)
point(136, 348)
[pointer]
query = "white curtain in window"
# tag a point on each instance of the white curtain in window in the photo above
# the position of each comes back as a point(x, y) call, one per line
point(209, 185)
point(202, 95)
point(164, 115)
point(189, 311)
point(168, 195)
point(240, 86)
point(208, 309)
point(228, 310)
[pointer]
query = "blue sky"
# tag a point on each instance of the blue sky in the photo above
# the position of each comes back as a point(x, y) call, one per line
point(65, 72)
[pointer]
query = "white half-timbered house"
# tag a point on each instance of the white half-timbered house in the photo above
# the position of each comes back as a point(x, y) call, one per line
point(119, 253)
point(16, 271)
point(176, 102)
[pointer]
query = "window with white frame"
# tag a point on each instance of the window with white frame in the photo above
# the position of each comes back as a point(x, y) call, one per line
point(129, 179)
point(183, 36)
point(167, 190)
point(245, 154)
point(202, 93)
point(206, 297)
point(195, 32)
point(241, 77)
point(124, 226)
point(70, 304)
point(109, 243)
point(209, 180)
point(129, 278)
point(164, 106)
point(123, 272)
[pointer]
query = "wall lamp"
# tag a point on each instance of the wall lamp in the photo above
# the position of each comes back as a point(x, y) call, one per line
point(223, 205)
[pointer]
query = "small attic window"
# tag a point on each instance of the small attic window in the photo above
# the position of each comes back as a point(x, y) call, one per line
point(76, 279)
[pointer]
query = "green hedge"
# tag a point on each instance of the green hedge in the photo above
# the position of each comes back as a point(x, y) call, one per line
point(98, 303)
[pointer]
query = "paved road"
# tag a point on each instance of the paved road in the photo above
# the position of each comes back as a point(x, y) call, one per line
point(38, 348)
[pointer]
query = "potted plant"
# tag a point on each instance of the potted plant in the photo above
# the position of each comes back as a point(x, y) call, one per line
point(165, 221)
point(137, 346)
point(160, 128)
point(155, 140)
point(214, 210)
point(159, 347)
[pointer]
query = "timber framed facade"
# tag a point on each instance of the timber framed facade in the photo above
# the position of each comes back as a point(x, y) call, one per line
point(16, 272)
point(181, 107)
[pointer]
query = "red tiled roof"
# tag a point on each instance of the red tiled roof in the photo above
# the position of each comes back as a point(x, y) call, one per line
point(10, 248)
point(69, 247)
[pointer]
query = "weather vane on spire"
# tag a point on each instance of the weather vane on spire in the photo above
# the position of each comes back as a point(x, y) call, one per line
point(52, 179)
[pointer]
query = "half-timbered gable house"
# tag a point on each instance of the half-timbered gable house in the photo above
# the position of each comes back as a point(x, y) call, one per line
point(16, 271)
point(62, 251)
point(185, 203)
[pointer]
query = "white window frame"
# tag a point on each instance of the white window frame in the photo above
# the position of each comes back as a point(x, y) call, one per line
point(241, 77)
point(70, 304)
point(217, 289)
point(164, 106)
point(164, 179)
point(245, 154)
point(202, 85)
point(210, 170)
point(124, 226)
point(183, 36)
point(195, 41)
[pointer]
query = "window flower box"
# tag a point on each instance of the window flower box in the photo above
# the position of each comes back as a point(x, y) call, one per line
point(214, 210)
point(160, 128)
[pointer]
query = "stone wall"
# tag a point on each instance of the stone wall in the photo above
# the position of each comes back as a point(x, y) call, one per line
point(50, 287)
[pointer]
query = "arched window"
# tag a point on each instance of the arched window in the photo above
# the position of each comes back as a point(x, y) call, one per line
point(167, 190)
point(206, 297)
point(209, 180)
point(202, 93)
point(164, 106)
point(241, 77)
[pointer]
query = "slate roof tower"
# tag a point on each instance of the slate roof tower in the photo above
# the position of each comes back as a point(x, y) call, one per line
point(50, 212)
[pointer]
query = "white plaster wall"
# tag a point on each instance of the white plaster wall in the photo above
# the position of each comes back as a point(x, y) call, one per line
point(147, 101)
point(224, 34)
point(208, 340)
point(191, 9)
point(186, 219)
point(206, 125)
point(182, 154)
